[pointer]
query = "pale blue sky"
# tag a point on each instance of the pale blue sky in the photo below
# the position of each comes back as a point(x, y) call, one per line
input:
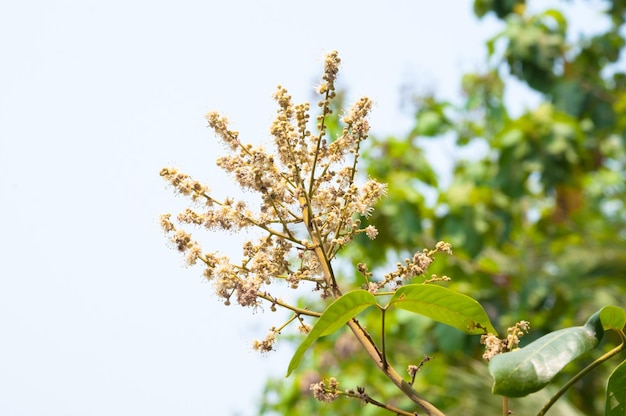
point(97, 315)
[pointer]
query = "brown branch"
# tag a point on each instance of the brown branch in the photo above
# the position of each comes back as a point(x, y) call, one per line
point(390, 372)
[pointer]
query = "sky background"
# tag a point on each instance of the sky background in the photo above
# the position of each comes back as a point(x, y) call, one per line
point(98, 316)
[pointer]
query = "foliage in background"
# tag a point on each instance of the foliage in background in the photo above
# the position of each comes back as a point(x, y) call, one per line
point(537, 222)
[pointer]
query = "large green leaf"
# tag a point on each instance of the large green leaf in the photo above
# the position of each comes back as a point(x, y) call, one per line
point(334, 317)
point(444, 305)
point(616, 392)
point(529, 369)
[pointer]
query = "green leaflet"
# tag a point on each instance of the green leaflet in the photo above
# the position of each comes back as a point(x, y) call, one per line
point(334, 317)
point(529, 369)
point(612, 317)
point(616, 392)
point(445, 306)
point(436, 302)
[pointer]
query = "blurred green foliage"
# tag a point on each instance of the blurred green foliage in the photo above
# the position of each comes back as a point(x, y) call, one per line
point(537, 221)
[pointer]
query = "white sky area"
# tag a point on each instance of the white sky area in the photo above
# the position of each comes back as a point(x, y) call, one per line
point(97, 314)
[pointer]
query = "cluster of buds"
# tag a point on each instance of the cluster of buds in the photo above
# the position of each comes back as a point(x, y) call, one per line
point(494, 345)
point(325, 390)
point(310, 201)
point(416, 266)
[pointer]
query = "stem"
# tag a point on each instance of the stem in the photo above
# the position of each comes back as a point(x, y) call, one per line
point(318, 247)
point(283, 326)
point(390, 372)
point(505, 406)
point(581, 374)
point(322, 130)
point(367, 399)
point(283, 221)
point(385, 364)
point(295, 309)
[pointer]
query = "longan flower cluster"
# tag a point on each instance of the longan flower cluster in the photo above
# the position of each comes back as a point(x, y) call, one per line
point(494, 345)
point(184, 184)
point(267, 344)
point(416, 266)
point(326, 390)
point(309, 200)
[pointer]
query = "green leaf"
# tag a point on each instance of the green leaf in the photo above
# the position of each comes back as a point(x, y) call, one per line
point(616, 392)
point(529, 369)
point(334, 317)
point(445, 306)
point(613, 317)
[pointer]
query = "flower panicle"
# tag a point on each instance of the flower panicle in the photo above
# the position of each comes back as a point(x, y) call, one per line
point(495, 346)
point(309, 206)
point(219, 124)
point(326, 390)
point(418, 265)
point(184, 184)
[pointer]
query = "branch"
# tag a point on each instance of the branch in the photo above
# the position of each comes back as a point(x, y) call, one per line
point(390, 372)
point(367, 399)
point(275, 301)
